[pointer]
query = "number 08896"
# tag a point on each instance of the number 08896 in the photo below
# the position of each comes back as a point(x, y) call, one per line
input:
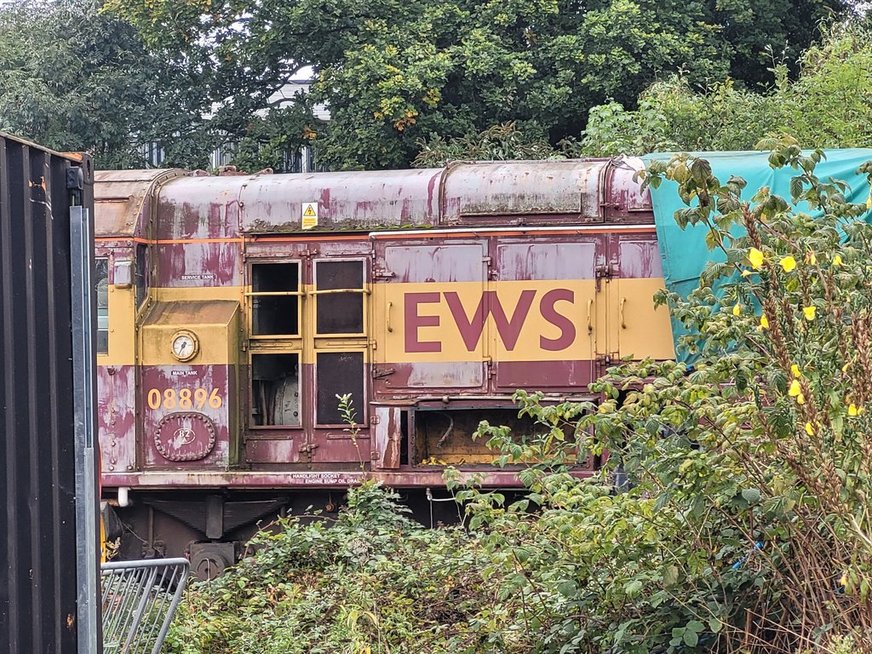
point(184, 398)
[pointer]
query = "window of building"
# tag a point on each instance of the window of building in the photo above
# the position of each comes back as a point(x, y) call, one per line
point(275, 299)
point(275, 390)
point(101, 278)
point(339, 288)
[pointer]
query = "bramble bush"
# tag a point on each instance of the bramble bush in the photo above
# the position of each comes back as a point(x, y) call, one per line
point(744, 524)
point(746, 527)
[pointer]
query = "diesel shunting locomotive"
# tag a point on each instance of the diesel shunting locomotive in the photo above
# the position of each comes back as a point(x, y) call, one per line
point(234, 310)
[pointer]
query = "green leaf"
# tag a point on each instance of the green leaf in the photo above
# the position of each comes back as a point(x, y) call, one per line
point(633, 587)
point(691, 638)
point(751, 495)
point(695, 625)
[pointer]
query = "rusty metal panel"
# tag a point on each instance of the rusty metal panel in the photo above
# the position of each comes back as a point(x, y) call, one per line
point(122, 200)
point(623, 198)
point(481, 193)
point(387, 437)
point(346, 200)
point(189, 400)
point(41, 400)
point(513, 188)
point(116, 416)
point(642, 329)
point(554, 347)
point(434, 305)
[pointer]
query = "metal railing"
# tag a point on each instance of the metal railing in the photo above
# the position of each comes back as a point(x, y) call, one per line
point(139, 600)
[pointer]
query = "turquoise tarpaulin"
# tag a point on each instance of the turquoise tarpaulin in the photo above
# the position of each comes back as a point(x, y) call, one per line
point(683, 251)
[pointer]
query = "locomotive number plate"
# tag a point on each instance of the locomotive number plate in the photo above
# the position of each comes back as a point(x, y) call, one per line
point(184, 398)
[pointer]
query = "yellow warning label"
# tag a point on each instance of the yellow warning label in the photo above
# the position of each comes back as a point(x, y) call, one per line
point(309, 216)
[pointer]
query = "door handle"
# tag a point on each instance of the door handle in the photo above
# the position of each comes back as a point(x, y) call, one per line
point(589, 324)
point(390, 306)
point(623, 323)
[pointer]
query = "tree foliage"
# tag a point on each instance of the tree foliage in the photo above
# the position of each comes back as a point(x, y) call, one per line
point(829, 105)
point(395, 73)
point(73, 78)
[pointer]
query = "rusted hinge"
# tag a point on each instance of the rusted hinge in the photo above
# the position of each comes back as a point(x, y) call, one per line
point(603, 272)
point(381, 273)
point(604, 359)
point(381, 373)
point(306, 450)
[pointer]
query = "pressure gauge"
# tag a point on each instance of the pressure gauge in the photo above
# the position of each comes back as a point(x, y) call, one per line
point(185, 345)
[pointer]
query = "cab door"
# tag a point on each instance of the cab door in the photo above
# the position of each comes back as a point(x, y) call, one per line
point(641, 329)
point(336, 350)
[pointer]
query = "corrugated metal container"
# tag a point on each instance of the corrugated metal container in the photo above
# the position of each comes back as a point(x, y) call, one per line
point(48, 531)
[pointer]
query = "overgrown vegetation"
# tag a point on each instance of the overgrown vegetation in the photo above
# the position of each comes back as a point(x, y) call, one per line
point(403, 79)
point(76, 79)
point(745, 525)
point(828, 105)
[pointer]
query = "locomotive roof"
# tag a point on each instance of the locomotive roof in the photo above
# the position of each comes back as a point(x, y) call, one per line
point(460, 194)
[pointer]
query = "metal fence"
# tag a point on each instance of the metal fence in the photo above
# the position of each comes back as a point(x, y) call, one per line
point(139, 601)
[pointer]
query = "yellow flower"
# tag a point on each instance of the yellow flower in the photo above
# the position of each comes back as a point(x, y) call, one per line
point(809, 429)
point(794, 370)
point(737, 310)
point(800, 399)
point(809, 312)
point(788, 263)
point(756, 258)
point(795, 389)
point(843, 580)
point(837, 260)
point(764, 322)
point(852, 410)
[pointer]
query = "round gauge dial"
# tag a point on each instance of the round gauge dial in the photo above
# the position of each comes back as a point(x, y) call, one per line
point(185, 345)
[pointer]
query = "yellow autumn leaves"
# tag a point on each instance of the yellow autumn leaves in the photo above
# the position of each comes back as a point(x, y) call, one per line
point(755, 256)
point(788, 262)
point(795, 391)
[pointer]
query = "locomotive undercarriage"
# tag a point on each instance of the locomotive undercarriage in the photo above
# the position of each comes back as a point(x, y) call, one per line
point(212, 527)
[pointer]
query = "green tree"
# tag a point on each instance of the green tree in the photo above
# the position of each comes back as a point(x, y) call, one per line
point(828, 105)
point(395, 73)
point(73, 78)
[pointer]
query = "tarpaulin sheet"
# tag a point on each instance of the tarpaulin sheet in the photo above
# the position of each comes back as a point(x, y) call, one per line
point(684, 252)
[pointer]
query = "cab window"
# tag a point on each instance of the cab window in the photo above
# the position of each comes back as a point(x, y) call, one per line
point(101, 279)
point(275, 299)
point(339, 290)
point(275, 385)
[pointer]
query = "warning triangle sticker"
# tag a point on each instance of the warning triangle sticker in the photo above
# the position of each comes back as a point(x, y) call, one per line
point(309, 212)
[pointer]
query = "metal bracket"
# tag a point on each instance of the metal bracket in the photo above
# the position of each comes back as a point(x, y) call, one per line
point(381, 273)
point(381, 374)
